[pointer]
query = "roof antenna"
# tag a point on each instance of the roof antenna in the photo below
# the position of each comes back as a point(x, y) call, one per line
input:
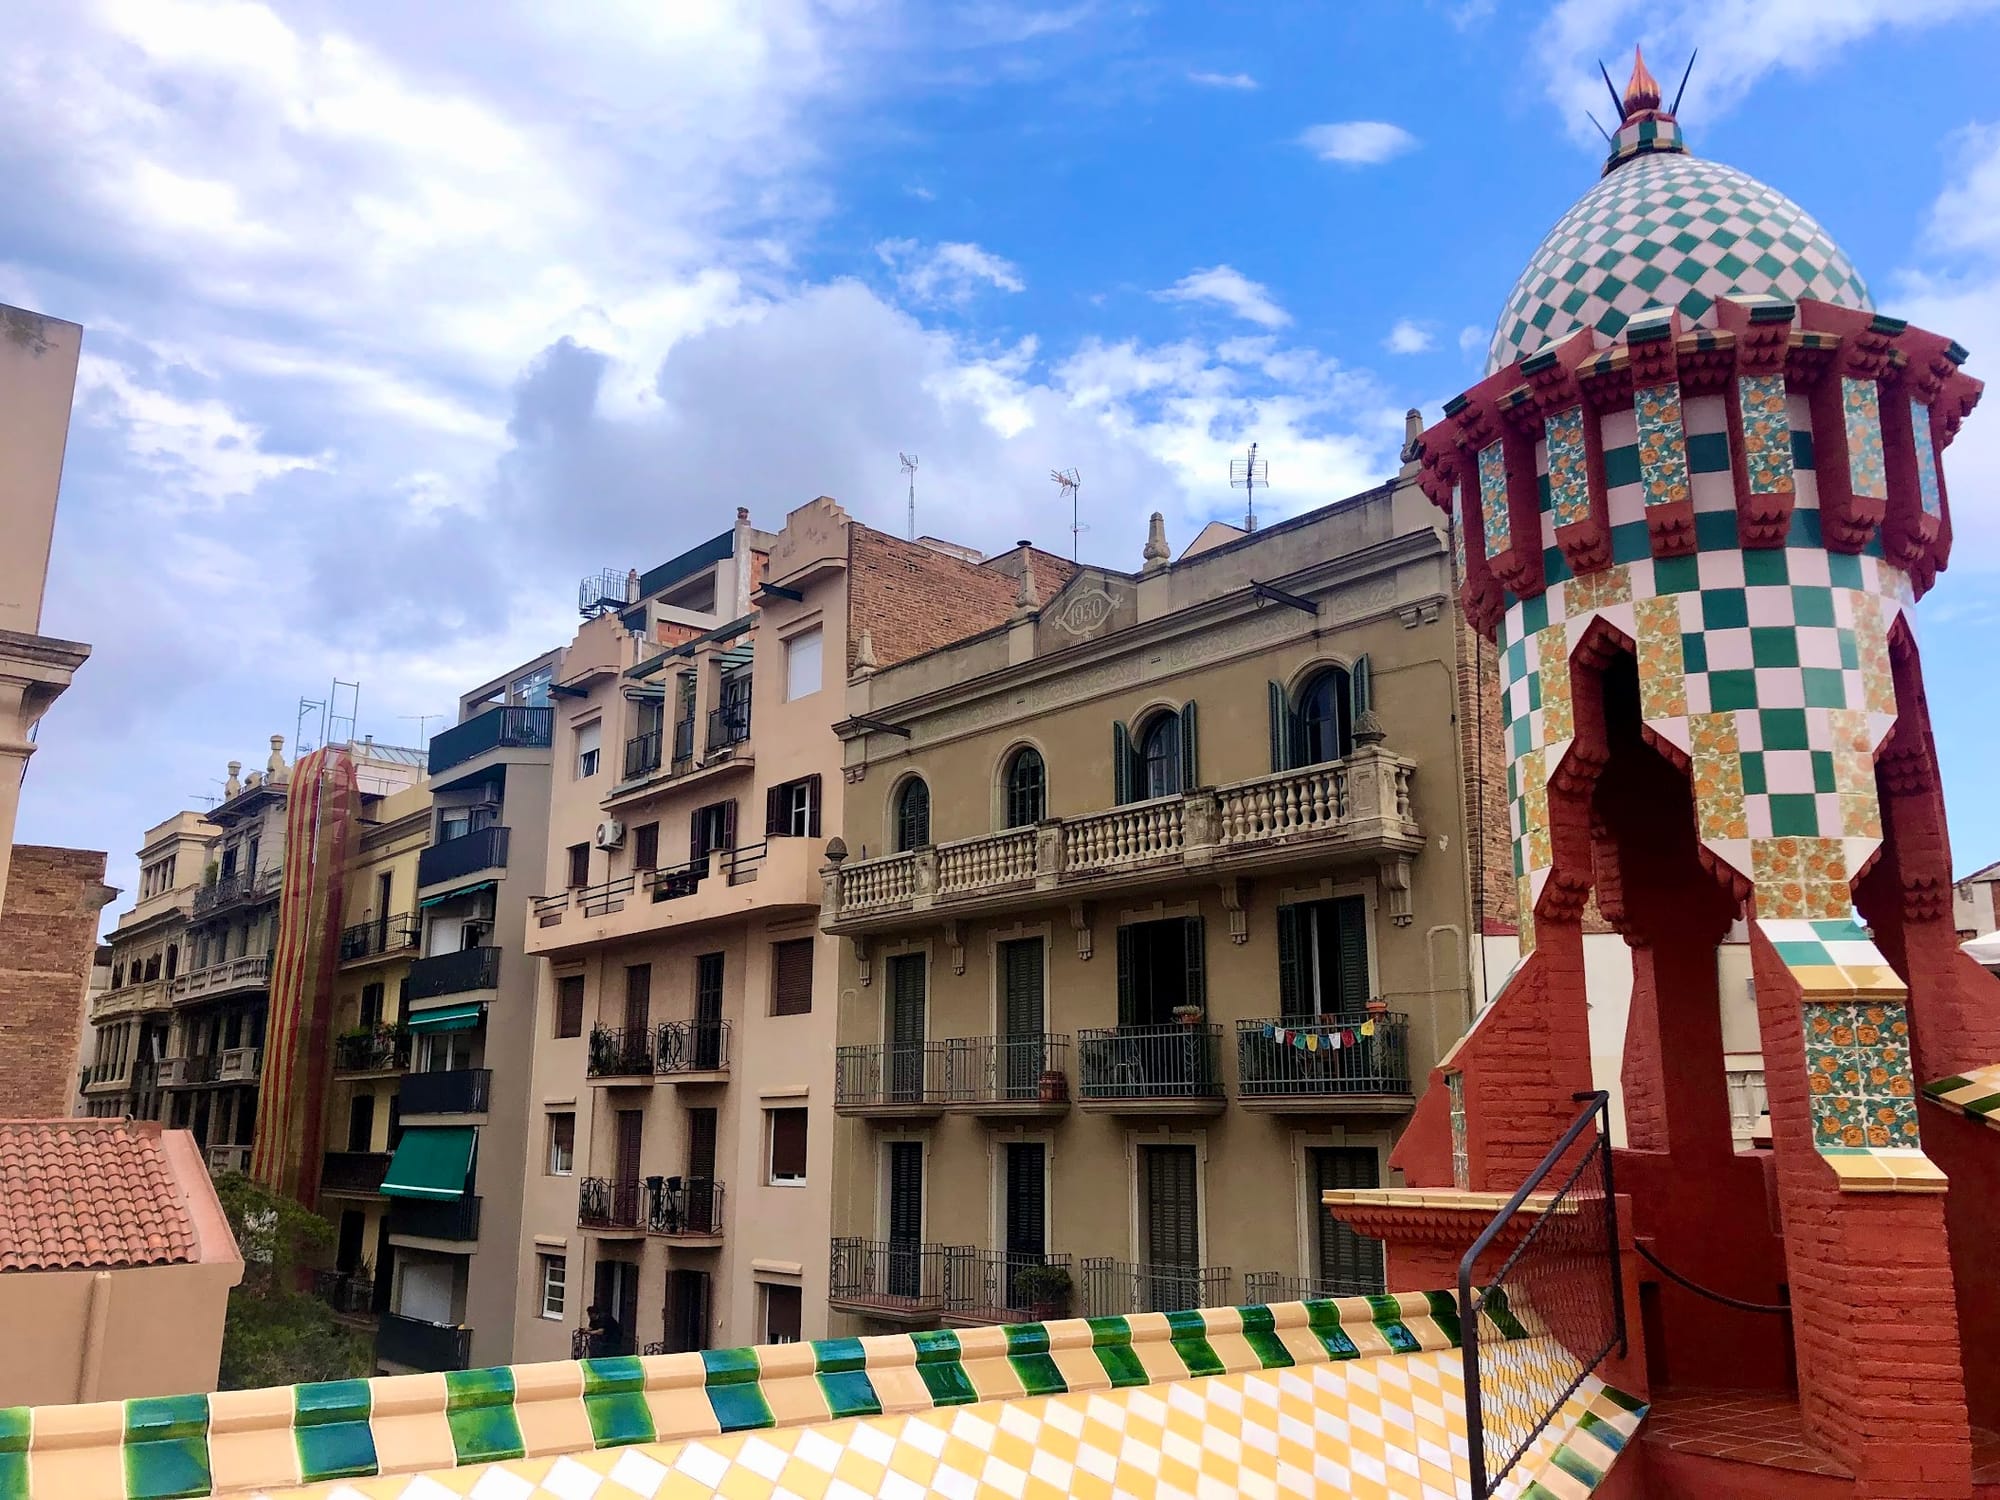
point(1676, 109)
point(909, 463)
point(1248, 475)
point(1600, 129)
point(1617, 100)
point(1069, 482)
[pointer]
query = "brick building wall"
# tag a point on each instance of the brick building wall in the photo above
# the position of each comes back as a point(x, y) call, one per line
point(48, 936)
point(912, 598)
point(1484, 754)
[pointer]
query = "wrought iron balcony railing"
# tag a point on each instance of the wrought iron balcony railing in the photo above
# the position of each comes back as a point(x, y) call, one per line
point(454, 973)
point(602, 1203)
point(642, 755)
point(728, 726)
point(1008, 1286)
point(238, 886)
point(620, 1052)
point(379, 936)
point(458, 1091)
point(691, 1047)
point(353, 1171)
point(436, 1218)
point(421, 1345)
point(891, 1277)
point(1363, 1053)
point(346, 1292)
point(969, 1071)
point(496, 729)
point(1116, 1288)
point(684, 1207)
point(386, 1050)
point(1261, 1288)
point(1176, 1061)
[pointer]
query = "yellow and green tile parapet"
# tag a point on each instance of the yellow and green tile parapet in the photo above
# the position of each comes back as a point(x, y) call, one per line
point(679, 1425)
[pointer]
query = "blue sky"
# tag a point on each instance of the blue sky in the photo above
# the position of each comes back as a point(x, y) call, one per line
point(400, 319)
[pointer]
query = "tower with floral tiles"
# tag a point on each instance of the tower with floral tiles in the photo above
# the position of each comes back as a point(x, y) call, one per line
point(1697, 499)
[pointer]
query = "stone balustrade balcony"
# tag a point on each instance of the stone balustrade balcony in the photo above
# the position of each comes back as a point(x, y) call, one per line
point(1359, 808)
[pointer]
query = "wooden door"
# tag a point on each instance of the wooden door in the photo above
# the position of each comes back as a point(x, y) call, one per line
point(1024, 1017)
point(906, 1028)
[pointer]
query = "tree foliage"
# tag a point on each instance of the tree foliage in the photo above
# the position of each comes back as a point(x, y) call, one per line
point(277, 1333)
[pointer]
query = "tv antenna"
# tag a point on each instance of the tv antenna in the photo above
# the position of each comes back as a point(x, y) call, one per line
point(1249, 475)
point(909, 463)
point(420, 720)
point(1069, 482)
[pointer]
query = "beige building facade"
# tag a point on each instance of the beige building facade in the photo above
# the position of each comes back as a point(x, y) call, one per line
point(1154, 910)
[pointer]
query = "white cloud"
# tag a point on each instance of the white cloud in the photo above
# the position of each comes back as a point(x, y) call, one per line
point(1357, 142)
point(1223, 80)
point(1472, 339)
point(1739, 43)
point(1408, 338)
point(950, 274)
point(1225, 286)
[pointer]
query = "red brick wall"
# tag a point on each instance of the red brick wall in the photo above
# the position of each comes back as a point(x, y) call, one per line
point(911, 598)
point(1483, 750)
point(48, 935)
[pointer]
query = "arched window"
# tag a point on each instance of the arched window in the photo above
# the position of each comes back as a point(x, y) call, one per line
point(1325, 718)
point(1027, 788)
point(1160, 757)
point(913, 815)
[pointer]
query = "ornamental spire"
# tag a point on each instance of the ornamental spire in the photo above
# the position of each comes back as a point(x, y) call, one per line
point(1642, 90)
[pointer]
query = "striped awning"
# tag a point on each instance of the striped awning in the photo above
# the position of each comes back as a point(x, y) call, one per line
point(464, 890)
point(446, 1018)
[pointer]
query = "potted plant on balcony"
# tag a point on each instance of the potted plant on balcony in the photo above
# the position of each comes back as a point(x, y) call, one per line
point(1377, 1006)
point(1187, 1015)
point(1054, 1084)
point(1046, 1290)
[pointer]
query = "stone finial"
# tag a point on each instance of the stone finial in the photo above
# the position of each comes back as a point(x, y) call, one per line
point(235, 782)
point(1368, 729)
point(864, 655)
point(836, 850)
point(1413, 428)
point(254, 780)
point(274, 768)
point(1155, 554)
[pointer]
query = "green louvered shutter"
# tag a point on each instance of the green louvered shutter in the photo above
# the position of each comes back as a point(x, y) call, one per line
point(1291, 994)
point(1121, 764)
point(1197, 965)
point(1348, 1264)
point(1127, 1000)
point(1190, 761)
point(1350, 924)
point(1361, 684)
point(1281, 728)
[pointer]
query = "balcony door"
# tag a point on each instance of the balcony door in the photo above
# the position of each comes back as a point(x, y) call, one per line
point(1024, 1017)
point(1171, 1215)
point(906, 1218)
point(638, 1003)
point(631, 1124)
point(707, 1048)
point(686, 1314)
point(360, 1122)
point(1026, 1228)
point(1345, 1264)
point(347, 1248)
point(616, 1291)
point(701, 1130)
point(906, 1028)
point(1323, 958)
point(1161, 967)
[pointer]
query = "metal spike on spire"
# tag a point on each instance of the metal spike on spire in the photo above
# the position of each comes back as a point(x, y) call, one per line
point(1617, 104)
point(1676, 109)
point(1600, 129)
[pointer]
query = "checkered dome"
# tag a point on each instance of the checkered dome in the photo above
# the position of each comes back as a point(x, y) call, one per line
point(1669, 230)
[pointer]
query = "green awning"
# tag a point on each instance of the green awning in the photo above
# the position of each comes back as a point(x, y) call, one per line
point(446, 1018)
point(464, 890)
point(431, 1161)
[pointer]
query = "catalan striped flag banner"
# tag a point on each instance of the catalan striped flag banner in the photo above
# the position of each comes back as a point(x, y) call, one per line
point(319, 820)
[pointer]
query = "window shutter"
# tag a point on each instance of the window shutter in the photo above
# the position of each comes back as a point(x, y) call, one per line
point(1172, 1223)
point(788, 1143)
point(776, 821)
point(1121, 764)
point(1127, 1001)
point(792, 977)
point(697, 850)
point(1348, 1264)
point(906, 1192)
point(812, 806)
point(569, 1005)
point(1197, 965)
point(1027, 1209)
point(1281, 728)
point(1291, 997)
point(1190, 761)
point(729, 824)
point(701, 1143)
point(1361, 680)
point(638, 997)
point(1350, 917)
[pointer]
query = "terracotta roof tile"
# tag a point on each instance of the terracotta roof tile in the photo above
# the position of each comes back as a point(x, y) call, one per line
point(89, 1194)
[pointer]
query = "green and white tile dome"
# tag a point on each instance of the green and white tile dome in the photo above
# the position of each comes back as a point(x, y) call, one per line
point(1666, 229)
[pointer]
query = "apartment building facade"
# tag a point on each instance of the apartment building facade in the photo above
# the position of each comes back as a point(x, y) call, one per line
point(131, 1019)
point(683, 1178)
point(453, 1220)
point(1153, 910)
point(372, 1044)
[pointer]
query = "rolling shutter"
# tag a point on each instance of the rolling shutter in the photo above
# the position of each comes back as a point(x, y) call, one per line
point(1121, 764)
point(1281, 727)
point(1346, 1264)
point(569, 1005)
point(1350, 934)
point(788, 1145)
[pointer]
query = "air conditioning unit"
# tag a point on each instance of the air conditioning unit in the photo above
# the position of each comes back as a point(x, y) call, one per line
point(610, 834)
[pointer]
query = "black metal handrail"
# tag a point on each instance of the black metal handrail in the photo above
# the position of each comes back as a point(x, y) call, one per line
point(482, 849)
point(606, 1204)
point(683, 743)
point(1369, 1054)
point(729, 725)
point(1775, 1309)
point(380, 1051)
point(436, 1218)
point(380, 935)
point(968, 1070)
point(454, 973)
point(1176, 1061)
point(1009, 1286)
point(346, 1292)
point(243, 885)
point(458, 1091)
point(1115, 1288)
point(619, 1052)
point(685, 1207)
point(642, 755)
point(891, 1275)
point(608, 896)
point(674, 881)
point(353, 1171)
point(691, 1047)
point(1544, 1298)
point(496, 729)
point(421, 1345)
point(1262, 1288)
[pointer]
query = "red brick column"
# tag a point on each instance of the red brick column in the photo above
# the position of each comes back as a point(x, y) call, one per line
point(48, 935)
point(1873, 1315)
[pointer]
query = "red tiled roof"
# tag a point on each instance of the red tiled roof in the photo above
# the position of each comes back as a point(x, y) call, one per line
point(89, 1194)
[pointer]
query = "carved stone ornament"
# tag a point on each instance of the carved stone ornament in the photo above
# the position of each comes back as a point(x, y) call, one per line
point(1080, 913)
point(1233, 892)
point(1084, 612)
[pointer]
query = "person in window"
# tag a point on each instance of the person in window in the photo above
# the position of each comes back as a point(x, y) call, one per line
point(606, 1337)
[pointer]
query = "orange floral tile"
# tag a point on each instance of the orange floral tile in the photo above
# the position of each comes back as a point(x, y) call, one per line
point(1662, 681)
